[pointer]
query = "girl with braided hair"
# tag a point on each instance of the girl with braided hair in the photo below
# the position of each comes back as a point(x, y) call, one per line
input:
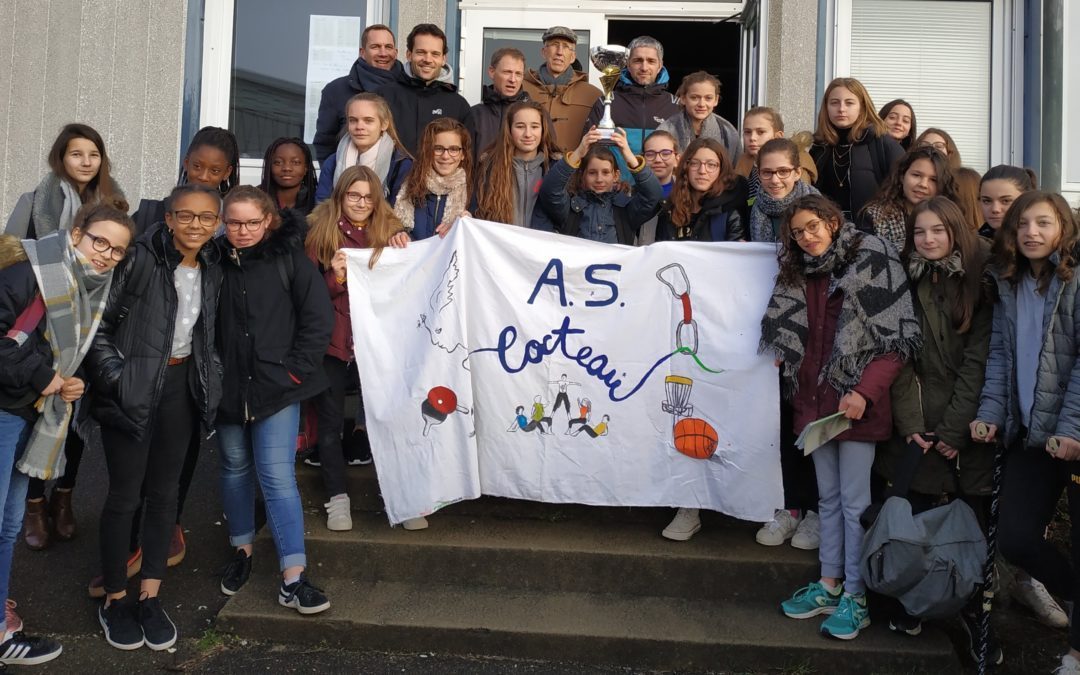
point(289, 175)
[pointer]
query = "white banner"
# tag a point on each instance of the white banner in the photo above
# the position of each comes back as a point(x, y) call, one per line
point(509, 362)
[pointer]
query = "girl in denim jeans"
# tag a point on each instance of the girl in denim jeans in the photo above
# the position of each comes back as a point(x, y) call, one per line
point(273, 328)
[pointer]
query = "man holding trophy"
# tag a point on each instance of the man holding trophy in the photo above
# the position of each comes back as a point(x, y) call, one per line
point(636, 96)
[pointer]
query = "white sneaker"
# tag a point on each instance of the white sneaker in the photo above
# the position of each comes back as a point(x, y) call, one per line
point(415, 523)
point(1069, 666)
point(778, 530)
point(684, 525)
point(808, 535)
point(338, 517)
point(1033, 595)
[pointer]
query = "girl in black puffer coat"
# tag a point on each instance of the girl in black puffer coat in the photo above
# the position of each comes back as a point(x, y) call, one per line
point(708, 202)
point(274, 329)
point(155, 375)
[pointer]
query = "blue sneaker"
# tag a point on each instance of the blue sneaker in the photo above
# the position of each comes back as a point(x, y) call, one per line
point(849, 618)
point(812, 600)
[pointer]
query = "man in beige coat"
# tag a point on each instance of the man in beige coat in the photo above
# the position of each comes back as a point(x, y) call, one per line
point(564, 92)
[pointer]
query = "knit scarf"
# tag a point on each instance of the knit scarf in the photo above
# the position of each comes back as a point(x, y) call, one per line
point(950, 265)
point(456, 201)
point(876, 317)
point(377, 157)
point(75, 297)
point(682, 128)
point(560, 80)
point(766, 207)
point(55, 203)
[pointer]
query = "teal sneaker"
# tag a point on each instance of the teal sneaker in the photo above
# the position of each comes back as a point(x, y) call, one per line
point(812, 600)
point(849, 618)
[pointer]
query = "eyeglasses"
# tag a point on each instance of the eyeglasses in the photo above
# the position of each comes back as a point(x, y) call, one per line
point(206, 218)
point(940, 145)
point(662, 154)
point(782, 173)
point(811, 228)
point(249, 225)
point(453, 150)
point(357, 198)
point(709, 165)
point(102, 245)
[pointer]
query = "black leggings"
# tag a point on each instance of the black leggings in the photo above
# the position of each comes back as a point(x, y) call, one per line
point(1033, 484)
point(73, 452)
point(148, 468)
point(330, 409)
point(797, 469)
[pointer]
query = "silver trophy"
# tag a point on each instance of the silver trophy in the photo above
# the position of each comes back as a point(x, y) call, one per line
point(610, 61)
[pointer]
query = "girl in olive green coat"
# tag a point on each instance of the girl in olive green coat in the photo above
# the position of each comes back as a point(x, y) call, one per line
point(936, 396)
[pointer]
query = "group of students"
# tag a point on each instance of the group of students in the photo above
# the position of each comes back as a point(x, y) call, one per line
point(926, 308)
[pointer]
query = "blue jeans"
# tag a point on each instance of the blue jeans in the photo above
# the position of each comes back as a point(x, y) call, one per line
point(14, 435)
point(266, 449)
point(843, 478)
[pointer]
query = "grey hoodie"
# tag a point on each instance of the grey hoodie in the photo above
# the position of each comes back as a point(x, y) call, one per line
point(528, 173)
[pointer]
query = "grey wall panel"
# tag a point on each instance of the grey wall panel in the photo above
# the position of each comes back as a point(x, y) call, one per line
point(7, 58)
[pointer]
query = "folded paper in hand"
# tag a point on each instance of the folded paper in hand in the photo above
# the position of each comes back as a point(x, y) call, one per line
point(819, 432)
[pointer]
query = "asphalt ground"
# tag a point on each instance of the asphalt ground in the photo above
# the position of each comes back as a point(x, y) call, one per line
point(51, 589)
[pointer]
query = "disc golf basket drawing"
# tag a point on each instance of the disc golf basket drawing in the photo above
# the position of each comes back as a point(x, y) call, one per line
point(678, 396)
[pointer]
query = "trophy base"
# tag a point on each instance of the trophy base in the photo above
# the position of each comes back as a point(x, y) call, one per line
point(605, 135)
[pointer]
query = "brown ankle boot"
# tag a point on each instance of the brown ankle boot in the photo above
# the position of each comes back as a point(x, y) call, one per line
point(63, 516)
point(36, 525)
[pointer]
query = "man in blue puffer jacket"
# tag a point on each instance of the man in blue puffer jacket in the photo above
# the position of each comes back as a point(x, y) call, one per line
point(641, 101)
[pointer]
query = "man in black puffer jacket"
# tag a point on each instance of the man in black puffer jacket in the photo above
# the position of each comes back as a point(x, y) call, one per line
point(507, 73)
point(425, 91)
point(376, 67)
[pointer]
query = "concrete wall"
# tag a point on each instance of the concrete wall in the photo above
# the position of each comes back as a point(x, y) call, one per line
point(116, 65)
point(412, 12)
point(792, 62)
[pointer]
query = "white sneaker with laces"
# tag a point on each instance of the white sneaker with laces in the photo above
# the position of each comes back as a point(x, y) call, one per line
point(338, 517)
point(778, 530)
point(808, 535)
point(684, 525)
point(1033, 595)
point(1069, 666)
point(419, 523)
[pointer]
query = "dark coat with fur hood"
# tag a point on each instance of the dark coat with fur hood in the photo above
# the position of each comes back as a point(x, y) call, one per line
point(25, 365)
point(274, 325)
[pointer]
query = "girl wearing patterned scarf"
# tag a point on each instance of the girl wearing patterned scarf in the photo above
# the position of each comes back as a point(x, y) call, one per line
point(779, 172)
point(52, 295)
point(919, 175)
point(840, 323)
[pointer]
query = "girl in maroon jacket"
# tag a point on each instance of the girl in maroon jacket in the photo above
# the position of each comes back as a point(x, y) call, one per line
point(355, 216)
point(841, 324)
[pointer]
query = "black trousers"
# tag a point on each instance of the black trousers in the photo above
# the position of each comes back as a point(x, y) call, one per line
point(148, 469)
point(797, 469)
point(1030, 493)
point(330, 411)
point(73, 452)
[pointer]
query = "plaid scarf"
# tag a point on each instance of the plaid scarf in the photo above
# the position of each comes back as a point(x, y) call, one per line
point(766, 207)
point(74, 296)
point(876, 317)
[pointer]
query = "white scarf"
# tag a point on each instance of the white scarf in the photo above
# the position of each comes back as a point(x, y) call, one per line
point(456, 201)
point(377, 157)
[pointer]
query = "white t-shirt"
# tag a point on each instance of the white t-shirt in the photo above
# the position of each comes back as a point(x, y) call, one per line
point(188, 282)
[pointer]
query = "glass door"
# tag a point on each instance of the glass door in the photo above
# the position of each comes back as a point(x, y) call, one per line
point(484, 30)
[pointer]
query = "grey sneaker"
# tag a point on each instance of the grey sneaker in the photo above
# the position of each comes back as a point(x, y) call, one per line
point(808, 534)
point(338, 516)
point(683, 526)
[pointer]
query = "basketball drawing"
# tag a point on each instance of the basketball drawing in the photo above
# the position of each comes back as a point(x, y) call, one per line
point(695, 438)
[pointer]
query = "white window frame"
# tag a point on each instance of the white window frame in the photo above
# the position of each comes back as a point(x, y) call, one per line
point(1006, 137)
point(216, 87)
point(1071, 56)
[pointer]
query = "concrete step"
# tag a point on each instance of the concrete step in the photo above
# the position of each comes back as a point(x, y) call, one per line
point(639, 632)
point(363, 487)
point(569, 556)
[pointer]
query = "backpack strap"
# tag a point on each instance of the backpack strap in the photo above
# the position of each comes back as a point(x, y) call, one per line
point(285, 269)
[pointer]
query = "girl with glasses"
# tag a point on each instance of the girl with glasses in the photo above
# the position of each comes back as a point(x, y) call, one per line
point(436, 192)
point(941, 141)
point(661, 151)
point(840, 324)
point(509, 175)
point(919, 175)
point(779, 170)
point(52, 295)
point(370, 140)
point(852, 149)
point(708, 202)
point(273, 331)
point(156, 380)
point(584, 196)
point(288, 175)
point(355, 216)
